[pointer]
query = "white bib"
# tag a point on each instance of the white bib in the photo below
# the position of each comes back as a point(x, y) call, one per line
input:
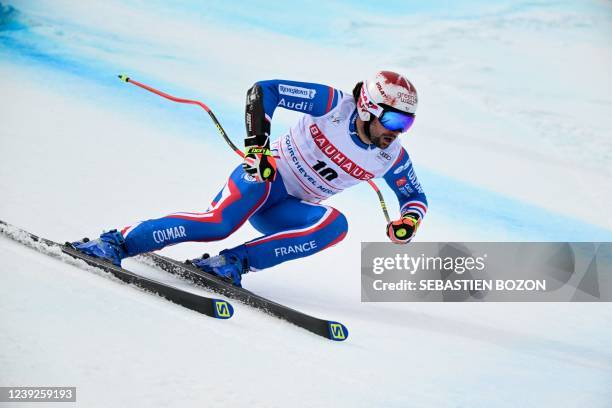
point(318, 158)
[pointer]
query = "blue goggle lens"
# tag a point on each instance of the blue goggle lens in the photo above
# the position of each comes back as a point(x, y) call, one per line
point(396, 121)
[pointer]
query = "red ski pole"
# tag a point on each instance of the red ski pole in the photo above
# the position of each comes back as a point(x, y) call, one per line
point(125, 78)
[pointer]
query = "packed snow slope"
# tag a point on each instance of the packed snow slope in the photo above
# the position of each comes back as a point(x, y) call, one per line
point(512, 142)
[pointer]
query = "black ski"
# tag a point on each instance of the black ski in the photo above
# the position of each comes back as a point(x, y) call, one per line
point(326, 328)
point(218, 308)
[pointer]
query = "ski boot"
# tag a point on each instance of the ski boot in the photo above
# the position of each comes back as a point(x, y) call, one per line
point(227, 266)
point(110, 246)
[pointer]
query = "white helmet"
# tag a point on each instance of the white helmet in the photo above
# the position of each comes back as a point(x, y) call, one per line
point(388, 89)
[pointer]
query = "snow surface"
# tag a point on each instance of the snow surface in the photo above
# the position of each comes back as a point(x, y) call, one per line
point(513, 142)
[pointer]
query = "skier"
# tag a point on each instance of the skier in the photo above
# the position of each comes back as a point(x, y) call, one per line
point(341, 140)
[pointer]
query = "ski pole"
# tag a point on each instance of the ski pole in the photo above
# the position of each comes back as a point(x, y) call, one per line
point(381, 199)
point(125, 78)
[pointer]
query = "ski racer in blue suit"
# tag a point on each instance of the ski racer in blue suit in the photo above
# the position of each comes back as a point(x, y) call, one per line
point(341, 140)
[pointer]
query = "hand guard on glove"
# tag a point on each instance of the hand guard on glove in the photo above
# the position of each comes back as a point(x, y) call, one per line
point(259, 163)
point(402, 231)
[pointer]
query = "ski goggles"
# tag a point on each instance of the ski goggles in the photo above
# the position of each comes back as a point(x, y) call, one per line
point(396, 121)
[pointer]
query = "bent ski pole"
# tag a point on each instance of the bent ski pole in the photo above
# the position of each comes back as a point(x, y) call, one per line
point(125, 78)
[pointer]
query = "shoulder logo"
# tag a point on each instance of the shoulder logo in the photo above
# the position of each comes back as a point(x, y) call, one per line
point(296, 91)
point(402, 168)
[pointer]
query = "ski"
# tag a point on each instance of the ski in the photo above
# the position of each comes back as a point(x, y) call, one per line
point(330, 329)
point(217, 308)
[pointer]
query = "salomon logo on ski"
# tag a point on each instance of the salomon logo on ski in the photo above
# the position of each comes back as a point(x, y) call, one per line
point(223, 310)
point(337, 331)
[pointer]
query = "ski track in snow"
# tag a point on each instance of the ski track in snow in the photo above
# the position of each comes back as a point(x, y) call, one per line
point(501, 153)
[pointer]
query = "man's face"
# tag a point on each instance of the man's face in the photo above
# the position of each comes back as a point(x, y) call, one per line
point(381, 136)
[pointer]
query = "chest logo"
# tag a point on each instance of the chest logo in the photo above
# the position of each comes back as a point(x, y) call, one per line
point(337, 156)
